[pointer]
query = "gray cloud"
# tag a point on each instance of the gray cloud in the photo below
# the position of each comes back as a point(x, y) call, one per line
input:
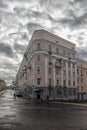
point(80, 40)
point(81, 3)
point(20, 11)
point(52, 4)
point(8, 65)
point(7, 50)
point(2, 4)
point(19, 18)
point(82, 52)
point(24, 36)
point(33, 26)
point(74, 22)
point(19, 48)
point(75, 15)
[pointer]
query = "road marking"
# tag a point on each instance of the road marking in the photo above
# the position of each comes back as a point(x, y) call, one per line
point(12, 99)
point(7, 99)
point(67, 103)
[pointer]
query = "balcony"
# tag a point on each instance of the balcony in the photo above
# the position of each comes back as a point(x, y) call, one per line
point(50, 63)
point(81, 75)
point(29, 67)
point(25, 55)
point(59, 64)
point(58, 75)
point(49, 52)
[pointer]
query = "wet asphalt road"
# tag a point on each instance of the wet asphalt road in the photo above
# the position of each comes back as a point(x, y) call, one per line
point(20, 114)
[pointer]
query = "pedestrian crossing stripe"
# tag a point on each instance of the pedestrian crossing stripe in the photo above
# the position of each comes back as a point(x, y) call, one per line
point(12, 99)
point(7, 99)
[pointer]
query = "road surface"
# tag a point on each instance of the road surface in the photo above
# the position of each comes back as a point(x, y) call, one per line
point(20, 114)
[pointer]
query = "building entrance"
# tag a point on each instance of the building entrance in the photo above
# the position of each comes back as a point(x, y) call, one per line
point(38, 95)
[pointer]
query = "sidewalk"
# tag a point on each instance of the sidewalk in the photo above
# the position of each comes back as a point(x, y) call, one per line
point(76, 103)
point(71, 103)
point(1, 92)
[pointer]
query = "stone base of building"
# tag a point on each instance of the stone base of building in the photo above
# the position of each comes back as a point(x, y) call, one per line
point(51, 93)
point(82, 96)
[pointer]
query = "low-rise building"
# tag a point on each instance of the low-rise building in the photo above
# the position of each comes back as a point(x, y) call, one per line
point(82, 79)
point(2, 85)
point(49, 68)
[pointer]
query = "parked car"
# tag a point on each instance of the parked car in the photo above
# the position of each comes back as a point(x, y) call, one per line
point(18, 93)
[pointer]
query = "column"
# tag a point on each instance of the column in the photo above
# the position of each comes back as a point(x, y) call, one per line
point(71, 74)
point(61, 77)
point(46, 71)
point(54, 76)
point(33, 72)
point(66, 74)
point(76, 75)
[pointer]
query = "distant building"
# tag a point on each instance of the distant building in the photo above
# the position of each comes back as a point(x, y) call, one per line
point(2, 85)
point(49, 69)
point(82, 79)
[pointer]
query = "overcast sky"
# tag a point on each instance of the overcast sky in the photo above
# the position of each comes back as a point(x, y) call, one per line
point(19, 18)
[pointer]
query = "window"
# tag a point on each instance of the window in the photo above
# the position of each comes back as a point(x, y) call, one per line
point(57, 82)
point(73, 83)
point(57, 71)
point(70, 92)
point(64, 82)
point(64, 92)
point(38, 81)
point(56, 41)
point(73, 74)
point(38, 57)
point(64, 73)
point(38, 47)
point(64, 52)
point(38, 69)
point(49, 81)
point(77, 71)
point(64, 63)
point(60, 60)
point(68, 64)
point(69, 54)
point(73, 65)
point(73, 55)
point(49, 48)
point(81, 72)
point(69, 82)
point(69, 73)
point(50, 61)
point(81, 89)
point(57, 50)
point(74, 92)
point(49, 70)
point(81, 80)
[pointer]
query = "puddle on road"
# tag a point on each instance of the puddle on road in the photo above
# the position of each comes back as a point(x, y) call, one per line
point(12, 126)
point(10, 115)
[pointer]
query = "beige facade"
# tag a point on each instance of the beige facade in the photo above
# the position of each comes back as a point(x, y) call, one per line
point(2, 85)
point(49, 67)
point(82, 78)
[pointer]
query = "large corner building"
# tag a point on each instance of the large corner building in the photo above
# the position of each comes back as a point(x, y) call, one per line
point(51, 70)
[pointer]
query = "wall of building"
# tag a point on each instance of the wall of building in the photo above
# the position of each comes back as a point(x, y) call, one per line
point(2, 85)
point(50, 64)
point(82, 76)
point(43, 34)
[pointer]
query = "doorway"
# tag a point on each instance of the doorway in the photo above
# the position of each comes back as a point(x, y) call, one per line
point(38, 95)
